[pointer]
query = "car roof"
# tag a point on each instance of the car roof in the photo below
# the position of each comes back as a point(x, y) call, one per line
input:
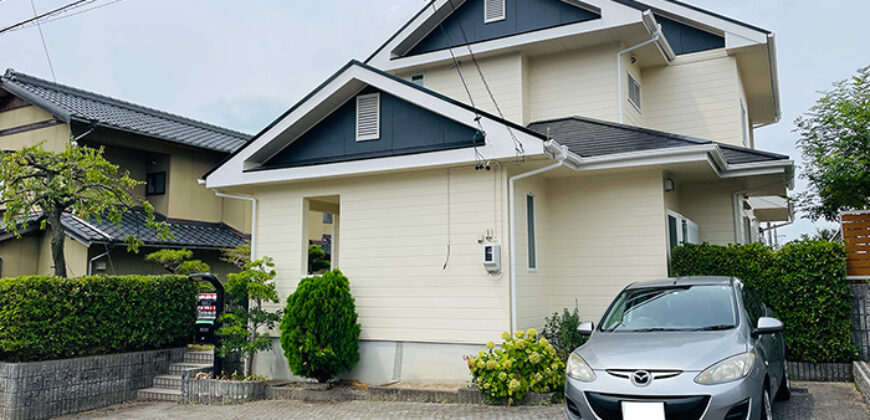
point(684, 281)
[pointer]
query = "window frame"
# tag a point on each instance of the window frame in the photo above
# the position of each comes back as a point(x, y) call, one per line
point(148, 183)
point(744, 122)
point(631, 83)
point(532, 233)
point(377, 134)
point(486, 15)
point(683, 229)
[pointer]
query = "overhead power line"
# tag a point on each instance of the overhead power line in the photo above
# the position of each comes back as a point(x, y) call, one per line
point(38, 17)
point(44, 45)
point(70, 13)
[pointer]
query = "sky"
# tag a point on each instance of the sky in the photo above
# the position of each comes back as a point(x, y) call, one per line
point(240, 64)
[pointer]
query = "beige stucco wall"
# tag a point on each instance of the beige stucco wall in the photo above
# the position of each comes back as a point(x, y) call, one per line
point(503, 73)
point(697, 95)
point(55, 137)
point(393, 242)
point(75, 255)
point(20, 256)
point(316, 227)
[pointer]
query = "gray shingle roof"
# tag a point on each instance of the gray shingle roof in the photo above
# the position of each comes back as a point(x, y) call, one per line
point(67, 104)
point(589, 138)
point(188, 234)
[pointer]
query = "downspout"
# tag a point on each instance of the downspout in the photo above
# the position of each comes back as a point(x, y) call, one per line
point(655, 37)
point(253, 201)
point(92, 260)
point(560, 156)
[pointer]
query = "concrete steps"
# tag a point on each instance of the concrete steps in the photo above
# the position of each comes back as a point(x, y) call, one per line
point(167, 387)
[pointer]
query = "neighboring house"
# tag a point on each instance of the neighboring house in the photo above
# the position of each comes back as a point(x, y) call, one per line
point(167, 152)
point(622, 128)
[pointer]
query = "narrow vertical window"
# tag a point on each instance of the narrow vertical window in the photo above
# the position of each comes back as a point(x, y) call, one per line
point(418, 79)
point(155, 183)
point(744, 122)
point(368, 117)
point(634, 92)
point(493, 10)
point(530, 222)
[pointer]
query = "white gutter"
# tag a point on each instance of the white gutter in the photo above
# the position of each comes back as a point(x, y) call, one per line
point(655, 31)
point(560, 153)
point(253, 201)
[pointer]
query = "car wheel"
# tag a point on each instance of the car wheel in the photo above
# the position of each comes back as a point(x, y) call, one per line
point(784, 391)
point(766, 408)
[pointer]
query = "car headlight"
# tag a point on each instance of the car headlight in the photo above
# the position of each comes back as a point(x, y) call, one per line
point(578, 369)
point(730, 369)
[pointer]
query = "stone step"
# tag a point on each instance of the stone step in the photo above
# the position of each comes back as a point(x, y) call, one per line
point(179, 368)
point(159, 394)
point(167, 381)
point(199, 357)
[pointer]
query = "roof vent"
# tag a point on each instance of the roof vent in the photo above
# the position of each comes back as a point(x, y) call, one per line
point(368, 117)
point(493, 10)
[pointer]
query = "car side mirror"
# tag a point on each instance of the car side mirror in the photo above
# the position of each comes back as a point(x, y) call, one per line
point(767, 325)
point(586, 328)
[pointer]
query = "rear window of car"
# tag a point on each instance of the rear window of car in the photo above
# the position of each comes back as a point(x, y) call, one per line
point(672, 308)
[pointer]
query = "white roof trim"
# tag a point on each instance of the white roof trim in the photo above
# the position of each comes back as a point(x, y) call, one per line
point(499, 144)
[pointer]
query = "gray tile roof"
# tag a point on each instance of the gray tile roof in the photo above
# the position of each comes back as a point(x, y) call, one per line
point(589, 138)
point(189, 234)
point(67, 104)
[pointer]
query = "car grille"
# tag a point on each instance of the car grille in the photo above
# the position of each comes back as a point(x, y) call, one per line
point(656, 374)
point(609, 406)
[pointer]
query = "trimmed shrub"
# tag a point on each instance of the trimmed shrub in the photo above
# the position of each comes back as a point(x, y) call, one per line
point(561, 332)
point(319, 331)
point(523, 363)
point(804, 283)
point(44, 318)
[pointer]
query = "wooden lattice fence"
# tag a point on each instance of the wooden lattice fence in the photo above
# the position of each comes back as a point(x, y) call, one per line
point(856, 236)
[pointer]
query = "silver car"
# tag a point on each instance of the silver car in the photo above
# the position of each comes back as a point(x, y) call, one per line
point(681, 348)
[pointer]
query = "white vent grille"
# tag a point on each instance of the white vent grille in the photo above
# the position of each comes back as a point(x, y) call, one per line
point(368, 117)
point(493, 10)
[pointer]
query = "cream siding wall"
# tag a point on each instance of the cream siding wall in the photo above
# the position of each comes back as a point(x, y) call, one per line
point(55, 137)
point(605, 232)
point(710, 206)
point(393, 244)
point(698, 95)
point(533, 291)
point(577, 82)
point(631, 114)
point(187, 199)
point(503, 74)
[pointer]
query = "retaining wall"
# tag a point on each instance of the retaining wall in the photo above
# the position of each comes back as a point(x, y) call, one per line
point(40, 390)
point(861, 318)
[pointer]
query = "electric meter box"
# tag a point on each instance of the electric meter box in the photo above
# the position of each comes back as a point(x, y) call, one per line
point(206, 319)
point(492, 258)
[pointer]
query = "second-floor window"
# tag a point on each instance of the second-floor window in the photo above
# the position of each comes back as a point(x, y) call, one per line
point(493, 11)
point(634, 92)
point(155, 183)
point(744, 121)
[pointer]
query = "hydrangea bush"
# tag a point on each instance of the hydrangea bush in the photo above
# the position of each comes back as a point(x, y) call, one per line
point(523, 363)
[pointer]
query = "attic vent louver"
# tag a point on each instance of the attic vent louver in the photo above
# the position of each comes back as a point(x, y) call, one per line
point(368, 117)
point(493, 10)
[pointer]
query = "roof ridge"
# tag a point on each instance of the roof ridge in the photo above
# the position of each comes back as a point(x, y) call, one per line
point(13, 76)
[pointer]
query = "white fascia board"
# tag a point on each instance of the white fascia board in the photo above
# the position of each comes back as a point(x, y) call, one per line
point(748, 35)
point(613, 15)
point(499, 142)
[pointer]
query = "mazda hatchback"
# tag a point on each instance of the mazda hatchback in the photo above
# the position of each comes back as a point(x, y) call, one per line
point(681, 348)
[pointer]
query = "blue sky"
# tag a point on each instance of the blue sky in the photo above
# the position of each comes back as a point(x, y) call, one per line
point(240, 64)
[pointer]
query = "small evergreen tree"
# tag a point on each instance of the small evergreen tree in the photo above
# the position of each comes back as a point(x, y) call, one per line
point(319, 331)
point(246, 294)
point(178, 261)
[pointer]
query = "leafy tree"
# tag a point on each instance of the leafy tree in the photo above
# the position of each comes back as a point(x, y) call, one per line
point(178, 261)
point(835, 142)
point(246, 293)
point(238, 256)
point(317, 259)
point(77, 180)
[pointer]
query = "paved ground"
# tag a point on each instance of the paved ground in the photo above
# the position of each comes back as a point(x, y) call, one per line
point(821, 401)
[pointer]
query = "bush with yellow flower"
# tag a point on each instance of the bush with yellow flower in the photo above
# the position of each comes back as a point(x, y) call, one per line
point(523, 363)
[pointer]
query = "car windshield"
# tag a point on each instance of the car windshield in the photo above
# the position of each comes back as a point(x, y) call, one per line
point(672, 308)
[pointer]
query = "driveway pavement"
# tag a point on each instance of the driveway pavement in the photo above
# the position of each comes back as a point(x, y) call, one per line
point(810, 400)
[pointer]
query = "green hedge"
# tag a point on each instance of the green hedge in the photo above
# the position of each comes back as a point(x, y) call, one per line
point(804, 283)
point(45, 318)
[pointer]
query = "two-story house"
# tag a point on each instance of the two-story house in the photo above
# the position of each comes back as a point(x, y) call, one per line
point(495, 161)
point(168, 153)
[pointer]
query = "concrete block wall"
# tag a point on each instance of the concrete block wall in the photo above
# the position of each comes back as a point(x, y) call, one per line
point(40, 390)
point(861, 318)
